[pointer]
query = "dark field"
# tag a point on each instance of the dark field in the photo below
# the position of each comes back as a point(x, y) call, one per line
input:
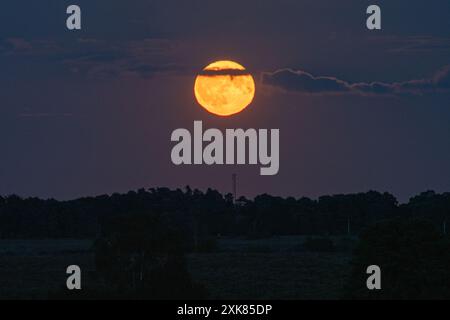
point(275, 268)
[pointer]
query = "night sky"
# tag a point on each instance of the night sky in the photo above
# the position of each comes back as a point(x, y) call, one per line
point(89, 112)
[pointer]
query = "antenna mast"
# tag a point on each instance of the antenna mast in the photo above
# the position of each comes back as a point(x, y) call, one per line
point(234, 182)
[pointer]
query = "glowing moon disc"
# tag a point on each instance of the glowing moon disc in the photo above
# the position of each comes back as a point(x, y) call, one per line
point(224, 88)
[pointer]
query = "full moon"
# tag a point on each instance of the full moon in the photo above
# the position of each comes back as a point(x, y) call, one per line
point(224, 88)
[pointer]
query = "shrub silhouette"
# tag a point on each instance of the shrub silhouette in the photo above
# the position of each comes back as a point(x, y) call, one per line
point(319, 245)
point(414, 258)
point(141, 257)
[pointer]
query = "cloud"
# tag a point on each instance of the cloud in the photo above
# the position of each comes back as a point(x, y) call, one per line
point(304, 82)
point(44, 115)
point(99, 58)
point(149, 70)
point(413, 44)
point(20, 47)
point(143, 58)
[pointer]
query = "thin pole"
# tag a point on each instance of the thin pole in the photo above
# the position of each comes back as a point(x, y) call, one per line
point(234, 181)
point(348, 226)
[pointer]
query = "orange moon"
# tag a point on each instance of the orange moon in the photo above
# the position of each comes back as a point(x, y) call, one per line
point(224, 88)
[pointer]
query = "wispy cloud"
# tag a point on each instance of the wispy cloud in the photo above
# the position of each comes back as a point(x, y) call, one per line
point(413, 44)
point(44, 115)
point(100, 58)
point(303, 82)
point(25, 48)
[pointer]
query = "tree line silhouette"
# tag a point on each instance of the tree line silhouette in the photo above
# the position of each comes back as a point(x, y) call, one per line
point(142, 237)
point(200, 215)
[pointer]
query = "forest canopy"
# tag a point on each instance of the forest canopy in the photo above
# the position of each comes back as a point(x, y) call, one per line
point(211, 213)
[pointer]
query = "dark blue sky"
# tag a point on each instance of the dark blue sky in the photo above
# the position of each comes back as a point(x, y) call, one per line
point(91, 112)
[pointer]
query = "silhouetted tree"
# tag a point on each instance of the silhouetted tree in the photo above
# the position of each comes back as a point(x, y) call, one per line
point(413, 256)
point(204, 215)
point(142, 256)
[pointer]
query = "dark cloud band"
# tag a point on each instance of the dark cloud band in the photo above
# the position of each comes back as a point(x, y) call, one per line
point(225, 72)
point(304, 82)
